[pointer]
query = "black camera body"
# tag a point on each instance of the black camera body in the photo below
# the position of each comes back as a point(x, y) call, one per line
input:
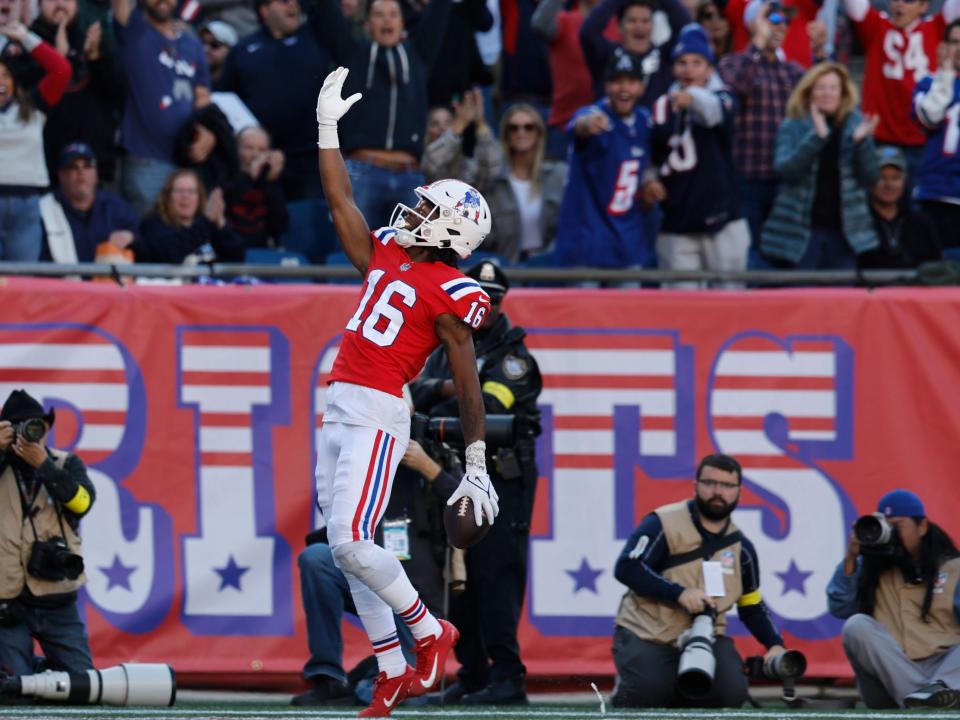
point(787, 666)
point(31, 429)
point(53, 560)
point(876, 536)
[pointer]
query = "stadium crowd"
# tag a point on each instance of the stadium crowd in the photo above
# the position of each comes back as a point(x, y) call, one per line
point(679, 134)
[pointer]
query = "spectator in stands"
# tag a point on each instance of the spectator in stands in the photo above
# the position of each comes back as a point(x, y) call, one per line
point(601, 223)
point(23, 172)
point(78, 217)
point(525, 195)
point(239, 15)
point(439, 120)
point(936, 103)
point(524, 65)
point(93, 99)
point(691, 141)
point(710, 18)
point(278, 72)
point(218, 39)
point(761, 82)
point(827, 163)
point(907, 237)
point(167, 80)
point(902, 611)
point(383, 141)
point(572, 84)
point(805, 34)
point(421, 489)
point(186, 226)
point(256, 207)
point(446, 157)
point(459, 67)
point(206, 145)
point(901, 48)
point(637, 36)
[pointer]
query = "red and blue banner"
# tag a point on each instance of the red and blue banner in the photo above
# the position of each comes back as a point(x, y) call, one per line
point(196, 410)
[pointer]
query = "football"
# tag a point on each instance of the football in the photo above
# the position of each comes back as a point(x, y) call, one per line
point(461, 526)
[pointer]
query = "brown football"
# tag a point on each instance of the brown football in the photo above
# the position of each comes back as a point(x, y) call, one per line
point(461, 526)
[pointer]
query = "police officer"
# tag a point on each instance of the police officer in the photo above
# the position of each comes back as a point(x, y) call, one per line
point(685, 559)
point(488, 611)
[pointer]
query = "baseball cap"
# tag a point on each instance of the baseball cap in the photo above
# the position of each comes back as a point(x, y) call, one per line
point(901, 503)
point(889, 155)
point(753, 8)
point(221, 31)
point(693, 40)
point(491, 278)
point(75, 151)
point(626, 63)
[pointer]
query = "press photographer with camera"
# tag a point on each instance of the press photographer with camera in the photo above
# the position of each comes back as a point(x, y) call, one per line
point(686, 565)
point(43, 495)
point(412, 529)
point(488, 611)
point(897, 588)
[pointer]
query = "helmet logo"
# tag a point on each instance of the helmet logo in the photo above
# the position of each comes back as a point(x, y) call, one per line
point(469, 205)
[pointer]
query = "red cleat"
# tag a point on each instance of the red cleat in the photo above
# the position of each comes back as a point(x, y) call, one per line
point(431, 658)
point(389, 692)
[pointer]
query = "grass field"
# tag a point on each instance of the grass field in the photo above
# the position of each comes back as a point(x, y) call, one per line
point(533, 711)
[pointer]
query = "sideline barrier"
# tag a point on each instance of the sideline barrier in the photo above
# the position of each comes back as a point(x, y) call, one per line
point(196, 410)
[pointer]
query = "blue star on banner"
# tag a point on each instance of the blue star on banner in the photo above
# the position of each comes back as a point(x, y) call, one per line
point(230, 574)
point(585, 577)
point(793, 579)
point(118, 574)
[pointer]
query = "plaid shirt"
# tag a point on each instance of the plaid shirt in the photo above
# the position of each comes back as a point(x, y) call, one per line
point(761, 88)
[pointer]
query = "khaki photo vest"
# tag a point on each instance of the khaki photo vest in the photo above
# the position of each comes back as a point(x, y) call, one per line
point(663, 622)
point(16, 537)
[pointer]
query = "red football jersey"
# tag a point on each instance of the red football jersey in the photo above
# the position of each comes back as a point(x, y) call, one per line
point(389, 337)
point(896, 61)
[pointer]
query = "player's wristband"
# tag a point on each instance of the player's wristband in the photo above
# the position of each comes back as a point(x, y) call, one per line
point(476, 457)
point(327, 137)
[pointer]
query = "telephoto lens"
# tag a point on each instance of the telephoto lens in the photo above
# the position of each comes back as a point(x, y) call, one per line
point(129, 684)
point(697, 662)
point(874, 530)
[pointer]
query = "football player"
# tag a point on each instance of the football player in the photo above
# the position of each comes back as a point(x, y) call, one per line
point(413, 299)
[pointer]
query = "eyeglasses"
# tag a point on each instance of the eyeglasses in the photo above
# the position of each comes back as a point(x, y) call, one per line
point(526, 127)
point(718, 484)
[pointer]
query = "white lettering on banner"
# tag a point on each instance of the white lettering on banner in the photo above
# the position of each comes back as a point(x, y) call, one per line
point(321, 376)
point(779, 407)
point(228, 377)
point(99, 397)
point(610, 402)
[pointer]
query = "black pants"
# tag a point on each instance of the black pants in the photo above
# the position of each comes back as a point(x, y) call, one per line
point(488, 611)
point(647, 674)
point(946, 216)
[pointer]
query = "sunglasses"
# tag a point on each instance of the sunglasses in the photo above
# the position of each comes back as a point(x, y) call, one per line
point(710, 15)
point(213, 44)
point(526, 127)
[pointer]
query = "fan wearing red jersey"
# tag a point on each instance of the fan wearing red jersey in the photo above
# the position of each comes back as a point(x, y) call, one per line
point(901, 49)
point(413, 299)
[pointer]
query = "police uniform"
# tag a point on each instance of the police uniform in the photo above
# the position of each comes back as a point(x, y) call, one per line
point(488, 611)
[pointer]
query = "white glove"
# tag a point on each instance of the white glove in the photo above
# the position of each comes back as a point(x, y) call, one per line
point(331, 107)
point(480, 490)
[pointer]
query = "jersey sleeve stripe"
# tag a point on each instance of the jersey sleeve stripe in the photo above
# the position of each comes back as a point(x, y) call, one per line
point(461, 287)
point(385, 234)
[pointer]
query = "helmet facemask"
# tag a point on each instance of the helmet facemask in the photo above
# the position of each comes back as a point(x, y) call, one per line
point(413, 226)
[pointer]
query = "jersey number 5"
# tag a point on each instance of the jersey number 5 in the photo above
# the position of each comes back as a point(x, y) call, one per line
point(385, 320)
point(626, 187)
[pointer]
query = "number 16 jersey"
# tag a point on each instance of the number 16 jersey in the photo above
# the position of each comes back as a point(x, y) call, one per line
point(389, 337)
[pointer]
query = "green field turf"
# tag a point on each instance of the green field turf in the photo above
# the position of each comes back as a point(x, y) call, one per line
point(534, 712)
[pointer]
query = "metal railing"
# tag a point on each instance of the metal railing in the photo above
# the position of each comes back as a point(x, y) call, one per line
point(540, 276)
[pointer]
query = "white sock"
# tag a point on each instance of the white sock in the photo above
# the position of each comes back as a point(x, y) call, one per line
point(405, 601)
point(378, 621)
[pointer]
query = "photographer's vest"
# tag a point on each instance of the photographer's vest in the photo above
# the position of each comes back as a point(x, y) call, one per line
point(16, 537)
point(898, 606)
point(662, 622)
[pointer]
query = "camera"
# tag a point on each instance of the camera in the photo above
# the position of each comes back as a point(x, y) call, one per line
point(53, 560)
point(697, 662)
point(876, 536)
point(31, 429)
point(144, 684)
point(501, 430)
point(787, 666)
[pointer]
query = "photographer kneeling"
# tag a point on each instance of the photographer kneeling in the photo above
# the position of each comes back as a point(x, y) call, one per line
point(898, 589)
point(686, 564)
point(43, 495)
